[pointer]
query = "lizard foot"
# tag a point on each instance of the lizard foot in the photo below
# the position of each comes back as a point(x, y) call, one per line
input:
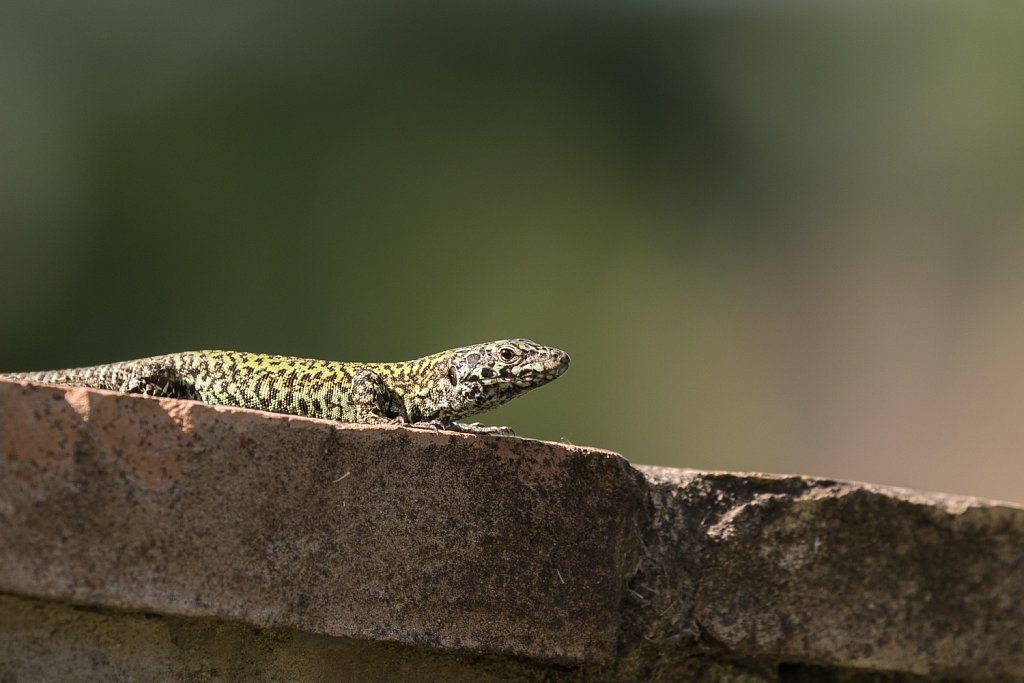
point(433, 425)
point(478, 428)
point(439, 426)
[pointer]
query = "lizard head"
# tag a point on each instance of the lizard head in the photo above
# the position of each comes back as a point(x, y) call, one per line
point(485, 376)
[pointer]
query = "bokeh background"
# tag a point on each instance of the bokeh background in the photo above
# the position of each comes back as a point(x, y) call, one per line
point(780, 237)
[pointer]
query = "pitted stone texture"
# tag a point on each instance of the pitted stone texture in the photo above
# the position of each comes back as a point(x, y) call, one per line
point(812, 574)
point(454, 541)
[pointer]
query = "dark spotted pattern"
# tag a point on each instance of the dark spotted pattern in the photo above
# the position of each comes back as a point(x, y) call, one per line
point(439, 388)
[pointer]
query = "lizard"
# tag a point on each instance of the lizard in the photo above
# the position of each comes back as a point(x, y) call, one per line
point(433, 391)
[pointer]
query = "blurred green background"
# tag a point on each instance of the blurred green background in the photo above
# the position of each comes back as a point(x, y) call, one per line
point(783, 238)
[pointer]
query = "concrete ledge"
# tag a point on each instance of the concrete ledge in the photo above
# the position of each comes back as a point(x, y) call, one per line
point(802, 573)
point(449, 540)
point(504, 556)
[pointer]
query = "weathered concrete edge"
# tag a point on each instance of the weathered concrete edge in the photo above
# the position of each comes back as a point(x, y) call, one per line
point(731, 569)
point(954, 503)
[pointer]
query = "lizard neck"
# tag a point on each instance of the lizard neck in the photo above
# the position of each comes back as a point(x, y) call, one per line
point(422, 390)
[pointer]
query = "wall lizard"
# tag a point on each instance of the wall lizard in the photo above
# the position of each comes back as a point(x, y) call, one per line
point(436, 390)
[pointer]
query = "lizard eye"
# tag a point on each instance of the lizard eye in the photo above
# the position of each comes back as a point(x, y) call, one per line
point(453, 376)
point(507, 354)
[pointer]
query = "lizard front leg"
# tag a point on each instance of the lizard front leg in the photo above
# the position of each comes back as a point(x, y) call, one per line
point(374, 403)
point(370, 398)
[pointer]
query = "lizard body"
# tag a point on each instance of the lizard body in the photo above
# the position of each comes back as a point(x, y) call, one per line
point(437, 389)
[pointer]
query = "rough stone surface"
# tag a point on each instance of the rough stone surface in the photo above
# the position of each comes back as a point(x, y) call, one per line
point(145, 539)
point(811, 575)
point(449, 540)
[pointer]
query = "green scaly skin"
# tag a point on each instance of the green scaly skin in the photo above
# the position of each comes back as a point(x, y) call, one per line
point(433, 391)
